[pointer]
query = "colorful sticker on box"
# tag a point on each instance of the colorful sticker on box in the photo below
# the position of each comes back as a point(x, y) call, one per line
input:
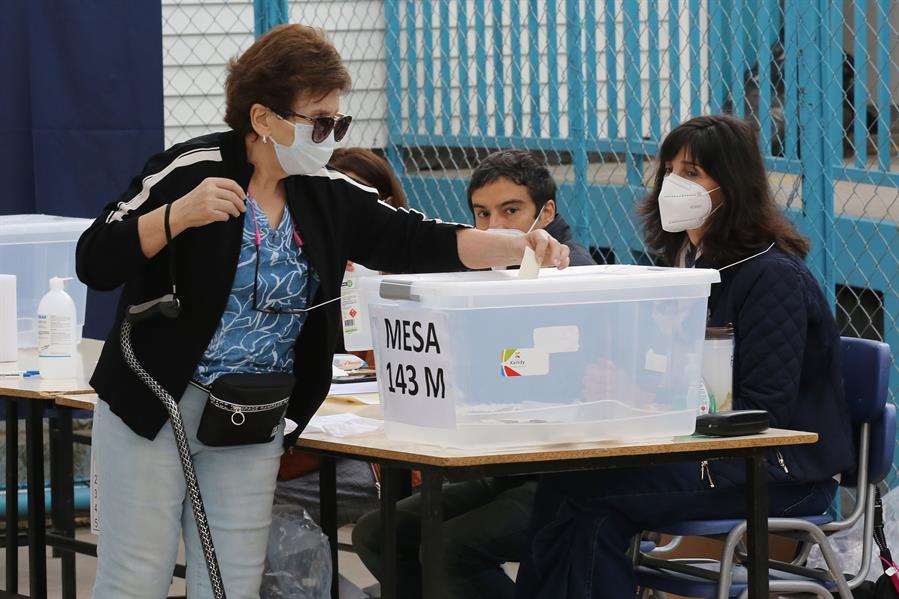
point(534, 361)
point(524, 362)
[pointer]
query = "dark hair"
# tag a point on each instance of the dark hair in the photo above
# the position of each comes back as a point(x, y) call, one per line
point(749, 220)
point(286, 62)
point(519, 167)
point(372, 170)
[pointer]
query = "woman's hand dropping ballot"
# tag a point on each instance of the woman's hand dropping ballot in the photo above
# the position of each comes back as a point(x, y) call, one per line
point(540, 249)
point(486, 249)
point(529, 250)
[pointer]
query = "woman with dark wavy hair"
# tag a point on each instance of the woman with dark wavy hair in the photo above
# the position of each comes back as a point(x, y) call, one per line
point(710, 207)
point(720, 153)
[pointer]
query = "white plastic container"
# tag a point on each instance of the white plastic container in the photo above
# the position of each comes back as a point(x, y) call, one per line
point(9, 336)
point(35, 247)
point(354, 311)
point(57, 356)
point(591, 353)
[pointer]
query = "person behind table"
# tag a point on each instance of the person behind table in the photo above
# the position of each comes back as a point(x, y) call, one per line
point(510, 189)
point(486, 519)
point(370, 169)
point(711, 207)
point(256, 195)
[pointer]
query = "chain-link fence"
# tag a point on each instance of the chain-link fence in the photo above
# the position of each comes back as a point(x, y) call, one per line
point(198, 38)
point(593, 86)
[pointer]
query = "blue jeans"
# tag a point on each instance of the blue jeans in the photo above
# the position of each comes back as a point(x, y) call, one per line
point(583, 522)
point(143, 508)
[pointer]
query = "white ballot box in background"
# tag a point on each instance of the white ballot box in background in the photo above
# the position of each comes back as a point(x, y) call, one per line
point(35, 247)
point(485, 359)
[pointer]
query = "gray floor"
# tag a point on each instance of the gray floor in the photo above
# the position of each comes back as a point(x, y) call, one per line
point(350, 567)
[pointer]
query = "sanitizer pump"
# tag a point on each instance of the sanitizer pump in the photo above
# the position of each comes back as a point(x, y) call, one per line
point(57, 338)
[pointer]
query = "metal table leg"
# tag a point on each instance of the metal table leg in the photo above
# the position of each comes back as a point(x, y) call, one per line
point(62, 481)
point(433, 565)
point(391, 492)
point(757, 524)
point(327, 481)
point(12, 495)
point(37, 547)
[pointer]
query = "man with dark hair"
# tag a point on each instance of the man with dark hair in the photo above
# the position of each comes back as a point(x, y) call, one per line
point(510, 189)
point(487, 519)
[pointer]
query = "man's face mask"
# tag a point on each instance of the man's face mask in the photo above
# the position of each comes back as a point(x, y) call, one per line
point(683, 204)
point(303, 156)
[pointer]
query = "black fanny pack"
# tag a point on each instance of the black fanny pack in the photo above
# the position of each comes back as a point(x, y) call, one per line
point(243, 409)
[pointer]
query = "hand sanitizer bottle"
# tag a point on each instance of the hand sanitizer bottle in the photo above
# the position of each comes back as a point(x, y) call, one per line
point(56, 336)
point(354, 310)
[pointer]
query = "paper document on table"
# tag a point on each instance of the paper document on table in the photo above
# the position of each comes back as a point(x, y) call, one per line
point(343, 425)
point(353, 388)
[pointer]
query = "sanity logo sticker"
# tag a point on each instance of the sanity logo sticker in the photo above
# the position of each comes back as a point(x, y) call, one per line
point(534, 361)
point(525, 362)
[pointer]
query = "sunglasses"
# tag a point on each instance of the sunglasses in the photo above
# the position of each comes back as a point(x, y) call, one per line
point(323, 125)
point(299, 242)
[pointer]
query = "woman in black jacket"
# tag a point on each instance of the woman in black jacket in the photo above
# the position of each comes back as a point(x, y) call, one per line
point(260, 235)
point(711, 207)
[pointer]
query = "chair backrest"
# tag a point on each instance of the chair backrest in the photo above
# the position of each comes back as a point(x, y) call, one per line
point(866, 377)
point(866, 380)
point(882, 444)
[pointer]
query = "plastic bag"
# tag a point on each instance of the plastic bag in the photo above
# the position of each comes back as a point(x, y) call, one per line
point(847, 544)
point(298, 557)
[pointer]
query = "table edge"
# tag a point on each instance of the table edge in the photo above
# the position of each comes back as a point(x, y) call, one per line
point(550, 454)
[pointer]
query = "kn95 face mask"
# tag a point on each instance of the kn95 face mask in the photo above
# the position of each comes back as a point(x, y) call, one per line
point(683, 204)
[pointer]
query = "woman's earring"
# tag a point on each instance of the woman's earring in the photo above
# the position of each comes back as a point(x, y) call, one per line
point(264, 139)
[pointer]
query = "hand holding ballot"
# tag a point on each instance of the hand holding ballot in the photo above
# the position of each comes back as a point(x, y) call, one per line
point(483, 249)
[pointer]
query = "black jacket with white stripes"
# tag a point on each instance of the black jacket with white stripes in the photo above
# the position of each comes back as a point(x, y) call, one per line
point(338, 220)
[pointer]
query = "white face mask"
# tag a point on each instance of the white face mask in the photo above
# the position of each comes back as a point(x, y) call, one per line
point(304, 156)
point(683, 204)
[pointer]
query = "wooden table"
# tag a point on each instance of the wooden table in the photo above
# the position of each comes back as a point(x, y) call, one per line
point(436, 463)
point(34, 393)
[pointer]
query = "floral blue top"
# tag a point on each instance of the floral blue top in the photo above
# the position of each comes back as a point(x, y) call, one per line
point(248, 340)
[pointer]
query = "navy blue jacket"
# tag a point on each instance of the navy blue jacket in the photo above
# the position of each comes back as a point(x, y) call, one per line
point(786, 361)
point(561, 232)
